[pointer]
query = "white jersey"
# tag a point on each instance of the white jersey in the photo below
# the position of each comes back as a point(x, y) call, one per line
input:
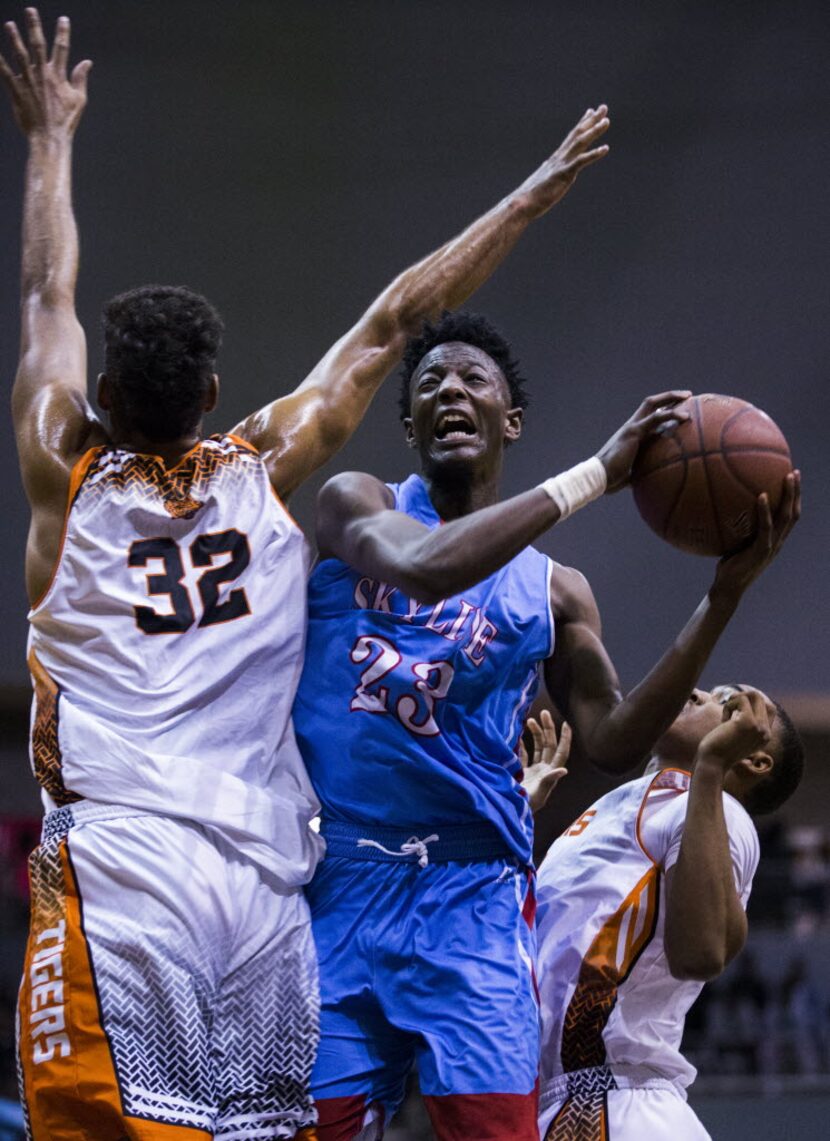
point(612, 1014)
point(166, 650)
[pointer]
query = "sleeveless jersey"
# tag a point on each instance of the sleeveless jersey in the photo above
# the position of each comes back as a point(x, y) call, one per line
point(166, 650)
point(408, 715)
point(612, 1014)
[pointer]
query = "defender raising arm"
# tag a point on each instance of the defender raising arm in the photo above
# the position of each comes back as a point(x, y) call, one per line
point(295, 434)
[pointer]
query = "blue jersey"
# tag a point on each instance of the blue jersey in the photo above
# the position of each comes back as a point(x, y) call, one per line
point(408, 715)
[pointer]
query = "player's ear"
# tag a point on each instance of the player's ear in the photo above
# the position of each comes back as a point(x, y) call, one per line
point(212, 394)
point(757, 764)
point(410, 434)
point(513, 425)
point(103, 392)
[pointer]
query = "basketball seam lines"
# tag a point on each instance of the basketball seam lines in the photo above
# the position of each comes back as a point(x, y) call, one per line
point(709, 481)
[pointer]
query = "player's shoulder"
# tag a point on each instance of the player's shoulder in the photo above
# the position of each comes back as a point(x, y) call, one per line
point(571, 595)
point(351, 490)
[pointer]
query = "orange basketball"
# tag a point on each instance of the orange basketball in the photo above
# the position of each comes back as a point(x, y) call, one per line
point(697, 484)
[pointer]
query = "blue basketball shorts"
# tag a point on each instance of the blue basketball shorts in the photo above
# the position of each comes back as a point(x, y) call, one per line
point(430, 965)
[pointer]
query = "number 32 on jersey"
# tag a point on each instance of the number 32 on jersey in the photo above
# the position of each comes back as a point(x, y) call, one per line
point(201, 553)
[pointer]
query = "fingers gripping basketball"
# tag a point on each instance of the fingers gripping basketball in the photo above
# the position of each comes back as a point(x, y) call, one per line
point(697, 483)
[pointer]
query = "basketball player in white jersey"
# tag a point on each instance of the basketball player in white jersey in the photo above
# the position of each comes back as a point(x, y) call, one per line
point(169, 988)
point(643, 899)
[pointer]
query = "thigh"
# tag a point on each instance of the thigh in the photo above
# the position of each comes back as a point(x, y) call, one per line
point(266, 1017)
point(364, 1058)
point(469, 989)
point(116, 996)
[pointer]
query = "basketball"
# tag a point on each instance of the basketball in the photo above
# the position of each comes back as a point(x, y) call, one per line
point(697, 484)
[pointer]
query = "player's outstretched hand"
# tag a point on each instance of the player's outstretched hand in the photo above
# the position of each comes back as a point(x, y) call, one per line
point(619, 453)
point(735, 572)
point(746, 727)
point(554, 178)
point(44, 98)
point(544, 770)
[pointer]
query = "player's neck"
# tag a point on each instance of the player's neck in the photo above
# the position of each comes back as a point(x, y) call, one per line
point(459, 493)
point(657, 763)
point(170, 452)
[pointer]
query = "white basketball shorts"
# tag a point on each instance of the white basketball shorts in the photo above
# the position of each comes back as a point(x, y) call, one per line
point(651, 1113)
point(169, 990)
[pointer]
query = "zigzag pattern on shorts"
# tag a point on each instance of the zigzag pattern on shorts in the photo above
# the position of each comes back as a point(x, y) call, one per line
point(581, 1118)
point(247, 1049)
point(280, 1016)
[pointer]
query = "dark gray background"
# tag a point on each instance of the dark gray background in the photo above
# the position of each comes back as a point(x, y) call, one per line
point(289, 159)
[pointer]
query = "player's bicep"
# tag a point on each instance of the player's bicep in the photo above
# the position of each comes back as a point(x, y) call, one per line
point(580, 676)
point(357, 522)
point(298, 433)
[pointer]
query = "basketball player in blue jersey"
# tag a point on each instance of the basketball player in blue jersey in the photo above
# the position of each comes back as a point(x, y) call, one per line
point(429, 615)
point(170, 982)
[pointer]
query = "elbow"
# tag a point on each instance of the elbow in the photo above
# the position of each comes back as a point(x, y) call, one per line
point(615, 761)
point(696, 964)
point(422, 587)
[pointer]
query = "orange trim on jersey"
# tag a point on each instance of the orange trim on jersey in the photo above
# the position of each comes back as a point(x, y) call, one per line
point(76, 478)
point(655, 784)
point(47, 760)
point(291, 518)
point(604, 968)
point(242, 443)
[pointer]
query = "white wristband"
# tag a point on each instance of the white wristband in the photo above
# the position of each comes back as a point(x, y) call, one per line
point(577, 486)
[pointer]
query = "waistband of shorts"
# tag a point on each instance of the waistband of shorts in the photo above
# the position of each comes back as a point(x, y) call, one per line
point(596, 1080)
point(60, 820)
point(436, 843)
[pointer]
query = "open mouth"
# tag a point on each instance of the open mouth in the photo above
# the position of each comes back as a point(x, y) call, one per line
point(454, 426)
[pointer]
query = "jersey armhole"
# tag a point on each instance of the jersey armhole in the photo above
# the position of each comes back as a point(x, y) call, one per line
point(677, 779)
point(76, 478)
point(549, 607)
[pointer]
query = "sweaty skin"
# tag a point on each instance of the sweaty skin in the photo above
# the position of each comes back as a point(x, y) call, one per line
point(460, 422)
point(295, 434)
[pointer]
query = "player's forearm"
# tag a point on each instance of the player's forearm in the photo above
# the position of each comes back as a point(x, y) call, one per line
point(50, 238)
point(433, 565)
point(627, 733)
point(705, 923)
point(447, 277)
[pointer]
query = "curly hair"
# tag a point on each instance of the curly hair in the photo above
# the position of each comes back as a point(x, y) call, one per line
point(785, 776)
point(470, 329)
point(160, 346)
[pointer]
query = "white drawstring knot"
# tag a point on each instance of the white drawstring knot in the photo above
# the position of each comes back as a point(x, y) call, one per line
point(411, 847)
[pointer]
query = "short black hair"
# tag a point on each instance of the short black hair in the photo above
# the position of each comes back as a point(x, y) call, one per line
point(160, 346)
point(469, 329)
point(771, 791)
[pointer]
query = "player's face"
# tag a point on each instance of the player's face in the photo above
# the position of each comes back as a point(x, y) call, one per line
point(702, 713)
point(460, 407)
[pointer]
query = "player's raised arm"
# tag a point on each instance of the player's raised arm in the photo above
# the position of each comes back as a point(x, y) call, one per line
point(705, 920)
point(614, 732)
point(298, 433)
point(356, 523)
point(52, 419)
